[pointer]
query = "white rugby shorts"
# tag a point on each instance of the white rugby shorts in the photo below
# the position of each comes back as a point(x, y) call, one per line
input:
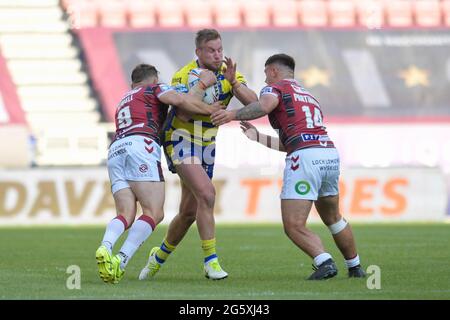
point(133, 158)
point(311, 173)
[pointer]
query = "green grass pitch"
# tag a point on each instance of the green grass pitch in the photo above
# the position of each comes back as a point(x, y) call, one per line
point(263, 264)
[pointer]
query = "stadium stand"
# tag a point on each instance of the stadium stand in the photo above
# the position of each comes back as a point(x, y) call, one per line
point(257, 13)
point(51, 83)
point(341, 13)
point(285, 15)
point(320, 16)
point(198, 13)
point(399, 13)
point(427, 13)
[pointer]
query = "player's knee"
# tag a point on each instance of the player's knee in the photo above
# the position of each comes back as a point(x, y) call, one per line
point(188, 217)
point(293, 226)
point(331, 218)
point(129, 218)
point(339, 225)
point(157, 215)
point(206, 197)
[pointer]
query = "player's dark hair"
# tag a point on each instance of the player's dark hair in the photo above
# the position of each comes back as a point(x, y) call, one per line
point(206, 35)
point(143, 71)
point(282, 59)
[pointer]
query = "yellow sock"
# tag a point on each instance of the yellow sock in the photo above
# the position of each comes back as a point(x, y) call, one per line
point(209, 249)
point(164, 251)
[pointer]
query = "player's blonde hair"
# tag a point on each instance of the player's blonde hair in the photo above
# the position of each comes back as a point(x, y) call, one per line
point(206, 35)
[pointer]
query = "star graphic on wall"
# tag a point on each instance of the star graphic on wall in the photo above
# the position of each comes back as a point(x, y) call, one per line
point(414, 76)
point(314, 76)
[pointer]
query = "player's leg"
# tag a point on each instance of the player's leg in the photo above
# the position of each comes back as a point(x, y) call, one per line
point(301, 183)
point(328, 209)
point(294, 215)
point(180, 224)
point(197, 180)
point(150, 195)
point(327, 206)
point(125, 202)
point(178, 228)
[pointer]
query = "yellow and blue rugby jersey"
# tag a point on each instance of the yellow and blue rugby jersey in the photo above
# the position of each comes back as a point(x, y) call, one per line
point(209, 131)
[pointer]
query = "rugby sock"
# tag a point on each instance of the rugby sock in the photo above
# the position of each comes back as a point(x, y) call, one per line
point(164, 251)
point(352, 262)
point(114, 230)
point(139, 232)
point(209, 249)
point(321, 258)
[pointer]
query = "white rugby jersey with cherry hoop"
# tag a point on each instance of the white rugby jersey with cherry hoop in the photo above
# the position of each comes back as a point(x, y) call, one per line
point(312, 162)
point(135, 153)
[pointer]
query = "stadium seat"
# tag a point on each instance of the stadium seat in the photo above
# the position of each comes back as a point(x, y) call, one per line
point(227, 13)
point(284, 14)
point(142, 13)
point(256, 13)
point(170, 13)
point(83, 13)
point(370, 13)
point(399, 13)
point(112, 13)
point(427, 13)
point(198, 13)
point(341, 13)
point(313, 13)
point(446, 12)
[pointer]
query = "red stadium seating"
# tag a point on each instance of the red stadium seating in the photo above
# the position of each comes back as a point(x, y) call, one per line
point(198, 13)
point(227, 13)
point(342, 13)
point(256, 13)
point(142, 13)
point(170, 13)
point(427, 13)
point(113, 13)
point(399, 13)
point(284, 14)
point(445, 8)
point(313, 13)
point(370, 13)
point(83, 13)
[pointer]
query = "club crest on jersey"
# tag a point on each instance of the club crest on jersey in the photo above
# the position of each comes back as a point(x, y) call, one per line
point(143, 168)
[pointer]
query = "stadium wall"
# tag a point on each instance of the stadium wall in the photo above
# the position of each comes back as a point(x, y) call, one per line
point(14, 132)
point(245, 195)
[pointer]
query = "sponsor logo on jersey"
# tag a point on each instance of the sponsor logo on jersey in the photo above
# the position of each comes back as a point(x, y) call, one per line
point(315, 137)
point(302, 187)
point(266, 90)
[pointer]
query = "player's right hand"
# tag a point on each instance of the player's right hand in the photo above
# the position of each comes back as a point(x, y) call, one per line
point(207, 77)
point(216, 106)
point(249, 130)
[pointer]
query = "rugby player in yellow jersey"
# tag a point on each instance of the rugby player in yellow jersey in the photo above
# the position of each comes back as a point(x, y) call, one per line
point(190, 149)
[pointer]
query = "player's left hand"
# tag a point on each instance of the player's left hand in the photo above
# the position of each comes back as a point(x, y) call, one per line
point(221, 117)
point(230, 72)
point(216, 106)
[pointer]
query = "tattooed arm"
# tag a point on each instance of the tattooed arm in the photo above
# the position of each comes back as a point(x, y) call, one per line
point(254, 110)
